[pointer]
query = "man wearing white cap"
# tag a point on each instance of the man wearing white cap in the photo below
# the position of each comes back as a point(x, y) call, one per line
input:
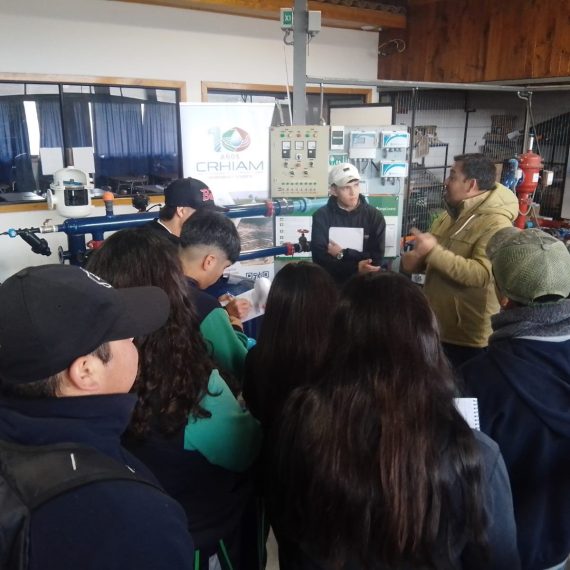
point(348, 233)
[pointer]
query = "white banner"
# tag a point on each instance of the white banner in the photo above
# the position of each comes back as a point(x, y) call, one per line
point(226, 145)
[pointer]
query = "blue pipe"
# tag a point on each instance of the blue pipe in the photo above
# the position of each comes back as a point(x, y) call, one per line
point(276, 207)
point(247, 211)
point(97, 226)
point(101, 224)
point(76, 228)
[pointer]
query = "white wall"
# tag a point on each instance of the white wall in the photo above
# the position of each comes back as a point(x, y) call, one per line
point(106, 38)
point(101, 37)
point(16, 254)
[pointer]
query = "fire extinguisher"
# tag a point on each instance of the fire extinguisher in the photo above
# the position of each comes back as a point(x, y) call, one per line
point(531, 164)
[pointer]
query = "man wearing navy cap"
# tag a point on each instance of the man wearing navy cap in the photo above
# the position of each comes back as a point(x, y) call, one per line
point(182, 198)
point(67, 363)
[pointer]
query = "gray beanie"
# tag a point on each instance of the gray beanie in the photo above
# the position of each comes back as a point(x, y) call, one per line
point(528, 264)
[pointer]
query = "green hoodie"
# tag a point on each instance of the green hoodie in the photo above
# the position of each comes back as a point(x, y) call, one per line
point(459, 281)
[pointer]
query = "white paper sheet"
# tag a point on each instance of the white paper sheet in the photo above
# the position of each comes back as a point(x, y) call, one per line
point(83, 158)
point(352, 238)
point(257, 298)
point(52, 160)
point(469, 409)
point(256, 309)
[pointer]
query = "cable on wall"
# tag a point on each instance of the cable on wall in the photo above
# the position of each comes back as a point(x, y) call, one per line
point(391, 47)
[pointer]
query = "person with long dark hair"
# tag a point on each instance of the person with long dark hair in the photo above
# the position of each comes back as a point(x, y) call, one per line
point(373, 466)
point(187, 425)
point(292, 338)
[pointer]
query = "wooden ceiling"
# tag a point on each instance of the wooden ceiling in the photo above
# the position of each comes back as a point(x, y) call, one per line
point(352, 14)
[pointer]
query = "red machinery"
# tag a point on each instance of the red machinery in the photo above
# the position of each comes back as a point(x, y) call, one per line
point(531, 165)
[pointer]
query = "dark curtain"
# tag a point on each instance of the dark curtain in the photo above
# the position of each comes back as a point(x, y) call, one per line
point(77, 122)
point(15, 161)
point(119, 144)
point(49, 119)
point(6, 154)
point(160, 139)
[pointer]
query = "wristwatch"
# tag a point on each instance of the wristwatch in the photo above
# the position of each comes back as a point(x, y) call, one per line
point(340, 255)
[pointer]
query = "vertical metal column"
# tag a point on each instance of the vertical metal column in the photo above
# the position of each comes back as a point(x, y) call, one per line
point(408, 187)
point(527, 97)
point(67, 156)
point(300, 24)
point(467, 111)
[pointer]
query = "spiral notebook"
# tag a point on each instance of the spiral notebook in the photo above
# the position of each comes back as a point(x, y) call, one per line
point(469, 409)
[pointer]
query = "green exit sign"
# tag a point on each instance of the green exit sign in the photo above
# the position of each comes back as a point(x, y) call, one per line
point(286, 18)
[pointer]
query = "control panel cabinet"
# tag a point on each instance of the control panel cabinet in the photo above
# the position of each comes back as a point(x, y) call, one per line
point(299, 161)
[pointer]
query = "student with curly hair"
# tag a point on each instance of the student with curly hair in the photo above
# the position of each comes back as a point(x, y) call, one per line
point(187, 425)
point(372, 466)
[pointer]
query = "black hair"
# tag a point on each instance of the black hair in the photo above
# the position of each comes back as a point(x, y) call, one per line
point(292, 339)
point(374, 463)
point(49, 387)
point(174, 364)
point(478, 167)
point(212, 229)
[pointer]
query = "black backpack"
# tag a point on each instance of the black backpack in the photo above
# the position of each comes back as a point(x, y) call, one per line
point(32, 475)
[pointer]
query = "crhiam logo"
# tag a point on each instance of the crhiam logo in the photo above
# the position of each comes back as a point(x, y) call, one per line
point(234, 139)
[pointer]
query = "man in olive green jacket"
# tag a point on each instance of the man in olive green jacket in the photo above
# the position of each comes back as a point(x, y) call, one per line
point(459, 282)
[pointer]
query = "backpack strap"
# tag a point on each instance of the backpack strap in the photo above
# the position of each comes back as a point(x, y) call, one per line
point(40, 473)
point(33, 475)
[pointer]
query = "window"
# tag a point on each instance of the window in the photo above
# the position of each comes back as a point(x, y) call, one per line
point(126, 138)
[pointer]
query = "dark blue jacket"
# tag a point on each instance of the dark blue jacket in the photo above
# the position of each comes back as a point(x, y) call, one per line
point(159, 228)
point(523, 387)
point(120, 525)
point(205, 465)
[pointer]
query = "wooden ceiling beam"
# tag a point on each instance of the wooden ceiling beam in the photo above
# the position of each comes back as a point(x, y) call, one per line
point(332, 15)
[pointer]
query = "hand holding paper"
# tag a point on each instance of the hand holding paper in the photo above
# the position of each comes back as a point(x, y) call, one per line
point(237, 307)
point(255, 299)
point(333, 248)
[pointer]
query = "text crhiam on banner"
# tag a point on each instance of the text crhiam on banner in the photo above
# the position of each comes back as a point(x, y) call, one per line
point(226, 145)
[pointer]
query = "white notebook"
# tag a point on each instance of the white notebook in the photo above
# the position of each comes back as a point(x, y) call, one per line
point(469, 409)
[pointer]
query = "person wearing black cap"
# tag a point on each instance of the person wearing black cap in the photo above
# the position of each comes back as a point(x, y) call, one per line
point(182, 198)
point(67, 362)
